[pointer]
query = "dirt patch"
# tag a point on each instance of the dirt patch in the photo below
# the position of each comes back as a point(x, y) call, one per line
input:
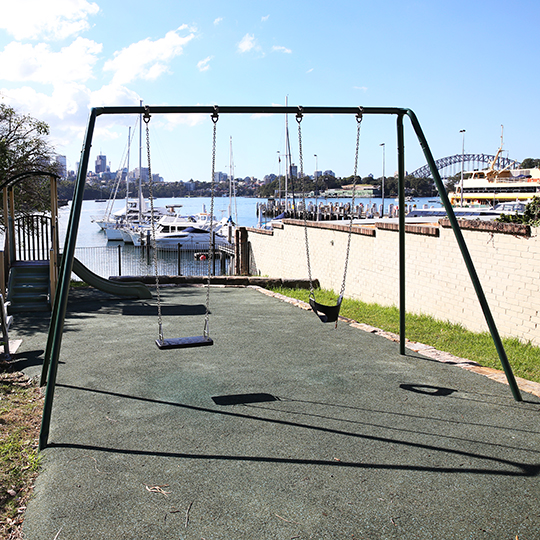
point(21, 404)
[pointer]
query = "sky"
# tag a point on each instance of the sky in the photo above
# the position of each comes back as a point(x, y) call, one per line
point(459, 65)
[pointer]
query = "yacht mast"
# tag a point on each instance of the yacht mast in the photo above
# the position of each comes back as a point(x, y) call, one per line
point(140, 167)
point(287, 154)
point(232, 187)
point(127, 175)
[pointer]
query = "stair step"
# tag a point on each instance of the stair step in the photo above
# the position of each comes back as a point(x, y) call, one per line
point(31, 272)
point(30, 264)
point(29, 306)
point(31, 276)
point(29, 294)
point(25, 287)
point(26, 275)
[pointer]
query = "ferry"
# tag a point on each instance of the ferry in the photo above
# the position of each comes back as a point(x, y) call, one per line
point(492, 186)
point(489, 187)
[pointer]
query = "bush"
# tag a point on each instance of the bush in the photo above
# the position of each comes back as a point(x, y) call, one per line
point(530, 216)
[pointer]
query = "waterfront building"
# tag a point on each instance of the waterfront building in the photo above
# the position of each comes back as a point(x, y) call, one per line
point(220, 176)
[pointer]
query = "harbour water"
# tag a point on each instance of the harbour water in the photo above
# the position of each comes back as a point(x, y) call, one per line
point(90, 235)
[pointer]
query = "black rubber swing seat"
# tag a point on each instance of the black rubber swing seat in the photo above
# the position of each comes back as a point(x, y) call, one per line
point(326, 313)
point(184, 342)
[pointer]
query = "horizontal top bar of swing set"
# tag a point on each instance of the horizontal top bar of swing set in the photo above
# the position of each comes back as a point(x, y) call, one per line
point(210, 109)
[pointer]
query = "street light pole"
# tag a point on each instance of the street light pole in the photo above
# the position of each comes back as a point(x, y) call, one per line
point(462, 131)
point(316, 190)
point(383, 164)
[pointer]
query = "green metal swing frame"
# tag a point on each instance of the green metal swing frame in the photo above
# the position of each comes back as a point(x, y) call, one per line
point(54, 341)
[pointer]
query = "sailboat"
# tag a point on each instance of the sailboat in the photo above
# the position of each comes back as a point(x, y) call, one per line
point(109, 220)
point(230, 223)
point(136, 217)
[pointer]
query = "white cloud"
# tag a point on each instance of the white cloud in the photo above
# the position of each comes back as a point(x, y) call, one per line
point(218, 20)
point(363, 88)
point(265, 18)
point(203, 65)
point(65, 110)
point(247, 43)
point(310, 70)
point(148, 59)
point(278, 48)
point(26, 62)
point(111, 95)
point(36, 19)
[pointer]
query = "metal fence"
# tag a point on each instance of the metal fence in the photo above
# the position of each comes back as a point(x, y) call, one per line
point(128, 260)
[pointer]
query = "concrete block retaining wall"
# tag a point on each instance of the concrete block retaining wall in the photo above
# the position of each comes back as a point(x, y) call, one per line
point(506, 258)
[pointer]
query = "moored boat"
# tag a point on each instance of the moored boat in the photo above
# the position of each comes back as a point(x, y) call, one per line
point(492, 186)
point(508, 185)
point(191, 238)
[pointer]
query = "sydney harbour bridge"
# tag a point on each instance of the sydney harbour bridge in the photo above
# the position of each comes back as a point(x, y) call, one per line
point(451, 165)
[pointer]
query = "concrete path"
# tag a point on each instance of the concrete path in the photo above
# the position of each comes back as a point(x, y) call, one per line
point(284, 429)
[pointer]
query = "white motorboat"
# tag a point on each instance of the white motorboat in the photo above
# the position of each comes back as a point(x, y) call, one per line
point(191, 238)
point(171, 225)
point(191, 232)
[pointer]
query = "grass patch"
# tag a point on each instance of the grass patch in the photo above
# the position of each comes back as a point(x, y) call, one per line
point(20, 416)
point(78, 284)
point(444, 336)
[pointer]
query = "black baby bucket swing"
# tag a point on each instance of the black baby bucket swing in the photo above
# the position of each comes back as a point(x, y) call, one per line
point(328, 314)
point(191, 341)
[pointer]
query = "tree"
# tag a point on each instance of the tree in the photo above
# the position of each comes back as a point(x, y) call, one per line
point(24, 147)
point(452, 183)
point(530, 163)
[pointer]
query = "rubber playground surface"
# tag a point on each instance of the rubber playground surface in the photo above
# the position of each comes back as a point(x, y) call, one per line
point(284, 429)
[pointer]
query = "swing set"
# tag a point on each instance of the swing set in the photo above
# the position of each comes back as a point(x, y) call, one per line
point(325, 313)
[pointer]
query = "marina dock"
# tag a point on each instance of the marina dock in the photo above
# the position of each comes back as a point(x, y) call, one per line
point(323, 211)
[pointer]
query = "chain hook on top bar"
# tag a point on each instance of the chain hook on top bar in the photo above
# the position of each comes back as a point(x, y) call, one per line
point(360, 115)
point(146, 115)
point(215, 114)
point(300, 114)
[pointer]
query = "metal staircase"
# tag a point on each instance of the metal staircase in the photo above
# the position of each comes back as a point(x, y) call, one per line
point(29, 287)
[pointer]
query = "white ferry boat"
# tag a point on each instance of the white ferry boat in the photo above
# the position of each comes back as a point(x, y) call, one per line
point(508, 185)
point(492, 186)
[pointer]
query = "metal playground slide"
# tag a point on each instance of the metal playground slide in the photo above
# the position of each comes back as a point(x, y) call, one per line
point(134, 289)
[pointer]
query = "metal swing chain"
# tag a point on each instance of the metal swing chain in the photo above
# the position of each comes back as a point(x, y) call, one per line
point(146, 118)
point(299, 118)
point(215, 118)
point(359, 118)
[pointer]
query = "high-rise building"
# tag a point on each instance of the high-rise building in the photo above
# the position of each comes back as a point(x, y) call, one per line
point(220, 176)
point(62, 162)
point(143, 173)
point(101, 164)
